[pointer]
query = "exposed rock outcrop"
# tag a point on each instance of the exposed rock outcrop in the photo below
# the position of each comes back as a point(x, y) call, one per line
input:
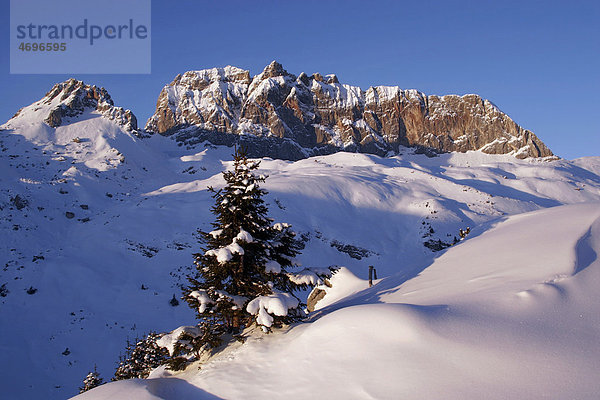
point(307, 115)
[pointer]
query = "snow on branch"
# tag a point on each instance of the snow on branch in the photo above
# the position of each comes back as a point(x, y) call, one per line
point(202, 296)
point(280, 226)
point(277, 304)
point(215, 234)
point(272, 266)
point(237, 300)
point(305, 277)
point(244, 236)
point(226, 253)
point(170, 340)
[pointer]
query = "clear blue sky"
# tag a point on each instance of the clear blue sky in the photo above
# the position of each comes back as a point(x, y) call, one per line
point(539, 61)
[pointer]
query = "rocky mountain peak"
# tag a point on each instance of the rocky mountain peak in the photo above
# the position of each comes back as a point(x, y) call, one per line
point(198, 80)
point(211, 98)
point(331, 78)
point(294, 117)
point(273, 70)
point(304, 79)
point(75, 93)
point(71, 98)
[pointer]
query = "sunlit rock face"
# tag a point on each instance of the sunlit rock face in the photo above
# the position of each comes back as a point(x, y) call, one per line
point(286, 116)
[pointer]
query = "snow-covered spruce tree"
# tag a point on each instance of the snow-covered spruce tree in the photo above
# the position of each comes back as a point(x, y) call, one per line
point(91, 381)
point(140, 358)
point(242, 274)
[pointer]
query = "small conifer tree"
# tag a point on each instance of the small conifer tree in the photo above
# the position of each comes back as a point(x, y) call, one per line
point(91, 381)
point(243, 269)
point(140, 358)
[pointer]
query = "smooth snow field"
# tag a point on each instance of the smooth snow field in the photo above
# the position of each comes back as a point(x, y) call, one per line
point(102, 234)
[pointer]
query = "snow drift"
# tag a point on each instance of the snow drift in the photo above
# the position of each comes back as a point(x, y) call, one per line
point(495, 317)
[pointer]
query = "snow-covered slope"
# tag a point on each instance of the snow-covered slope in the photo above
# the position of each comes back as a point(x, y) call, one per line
point(500, 316)
point(98, 233)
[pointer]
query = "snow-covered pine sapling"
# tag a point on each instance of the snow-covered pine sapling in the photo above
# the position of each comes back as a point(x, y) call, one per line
point(243, 272)
point(91, 381)
point(140, 358)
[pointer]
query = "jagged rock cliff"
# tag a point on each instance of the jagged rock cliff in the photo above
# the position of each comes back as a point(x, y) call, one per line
point(72, 98)
point(298, 116)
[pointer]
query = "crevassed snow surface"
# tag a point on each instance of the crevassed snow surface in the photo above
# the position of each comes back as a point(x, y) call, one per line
point(106, 234)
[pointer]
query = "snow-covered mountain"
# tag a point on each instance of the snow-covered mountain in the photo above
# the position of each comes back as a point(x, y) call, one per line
point(98, 226)
point(299, 116)
point(71, 99)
